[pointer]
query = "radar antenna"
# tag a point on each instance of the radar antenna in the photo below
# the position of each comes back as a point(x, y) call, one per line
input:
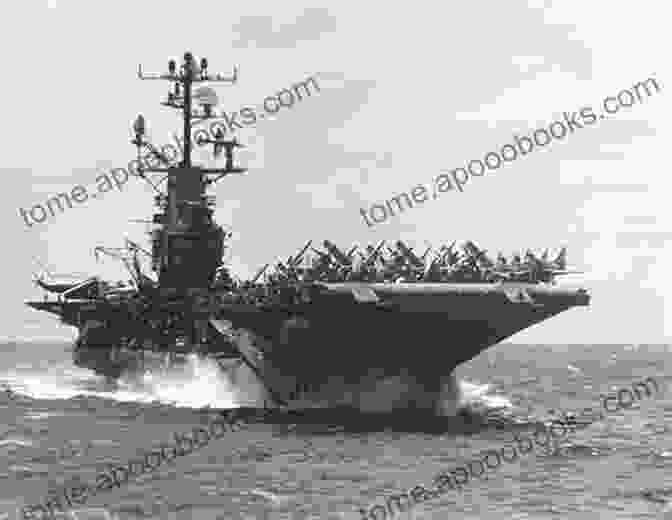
point(181, 98)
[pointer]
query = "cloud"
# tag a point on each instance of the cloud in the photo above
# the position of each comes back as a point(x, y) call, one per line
point(259, 30)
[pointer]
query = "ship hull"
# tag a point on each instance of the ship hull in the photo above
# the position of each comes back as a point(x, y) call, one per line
point(387, 346)
point(373, 347)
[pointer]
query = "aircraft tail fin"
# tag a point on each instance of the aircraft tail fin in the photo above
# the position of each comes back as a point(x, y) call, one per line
point(42, 273)
point(561, 260)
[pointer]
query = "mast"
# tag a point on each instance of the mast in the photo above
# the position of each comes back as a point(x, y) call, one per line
point(186, 114)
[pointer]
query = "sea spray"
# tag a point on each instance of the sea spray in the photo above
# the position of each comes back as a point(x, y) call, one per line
point(450, 398)
point(196, 382)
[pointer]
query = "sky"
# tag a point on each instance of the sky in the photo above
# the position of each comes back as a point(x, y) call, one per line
point(405, 94)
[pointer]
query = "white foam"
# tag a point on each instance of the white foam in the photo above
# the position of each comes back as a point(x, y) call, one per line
point(477, 398)
point(15, 442)
point(198, 383)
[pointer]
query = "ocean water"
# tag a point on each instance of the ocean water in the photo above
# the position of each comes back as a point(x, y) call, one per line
point(60, 424)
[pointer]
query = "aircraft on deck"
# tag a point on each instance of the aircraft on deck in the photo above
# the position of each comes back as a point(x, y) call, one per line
point(57, 283)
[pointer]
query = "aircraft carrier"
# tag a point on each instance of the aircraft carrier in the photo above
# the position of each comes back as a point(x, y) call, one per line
point(376, 327)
